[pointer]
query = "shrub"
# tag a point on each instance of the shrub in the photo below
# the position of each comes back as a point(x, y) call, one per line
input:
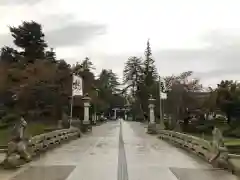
point(9, 118)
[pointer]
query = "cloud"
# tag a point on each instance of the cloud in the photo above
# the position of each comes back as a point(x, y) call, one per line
point(74, 34)
point(223, 38)
point(18, 2)
point(219, 60)
point(6, 40)
point(56, 21)
point(222, 55)
point(219, 73)
point(62, 31)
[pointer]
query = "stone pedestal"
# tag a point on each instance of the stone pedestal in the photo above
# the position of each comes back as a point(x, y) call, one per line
point(115, 113)
point(161, 125)
point(86, 126)
point(152, 123)
point(94, 119)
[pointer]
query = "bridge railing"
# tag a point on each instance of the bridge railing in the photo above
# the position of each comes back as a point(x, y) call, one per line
point(197, 145)
point(17, 154)
point(49, 140)
point(221, 157)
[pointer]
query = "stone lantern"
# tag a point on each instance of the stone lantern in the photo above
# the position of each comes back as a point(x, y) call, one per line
point(126, 109)
point(152, 122)
point(86, 122)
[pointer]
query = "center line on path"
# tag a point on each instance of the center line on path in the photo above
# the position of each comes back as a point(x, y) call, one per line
point(122, 161)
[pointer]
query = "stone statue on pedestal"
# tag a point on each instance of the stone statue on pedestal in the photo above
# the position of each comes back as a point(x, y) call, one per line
point(17, 147)
point(220, 154)
point(217, 139)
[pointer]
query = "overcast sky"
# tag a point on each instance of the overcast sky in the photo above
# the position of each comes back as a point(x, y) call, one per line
point(198, 35)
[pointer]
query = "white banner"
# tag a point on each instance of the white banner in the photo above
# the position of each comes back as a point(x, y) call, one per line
point(77, 86)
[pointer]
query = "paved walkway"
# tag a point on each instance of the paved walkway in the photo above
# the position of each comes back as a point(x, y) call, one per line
point(117, 151)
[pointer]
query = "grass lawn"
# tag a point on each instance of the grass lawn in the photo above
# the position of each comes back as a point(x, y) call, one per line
point(207, 137)
point(223, 127)
point(4, 134)
point(32, 130)
point(228, 141)
point(232, 142)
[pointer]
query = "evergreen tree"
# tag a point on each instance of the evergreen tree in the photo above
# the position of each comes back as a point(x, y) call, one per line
point(50, 55)
point(149, 68)
point(109, 95)
point(147, 80)
point(142, 78)
point(108, 80)
point(132, 73)
point(30, 38)
point(8, 54)
point(87, 64)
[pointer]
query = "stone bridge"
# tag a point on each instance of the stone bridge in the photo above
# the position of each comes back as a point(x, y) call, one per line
point(117, 150)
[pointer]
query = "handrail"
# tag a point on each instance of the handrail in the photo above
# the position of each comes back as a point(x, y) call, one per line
point(196, 145)
point(48, 140)
point(220, 158)
point(42, 143)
